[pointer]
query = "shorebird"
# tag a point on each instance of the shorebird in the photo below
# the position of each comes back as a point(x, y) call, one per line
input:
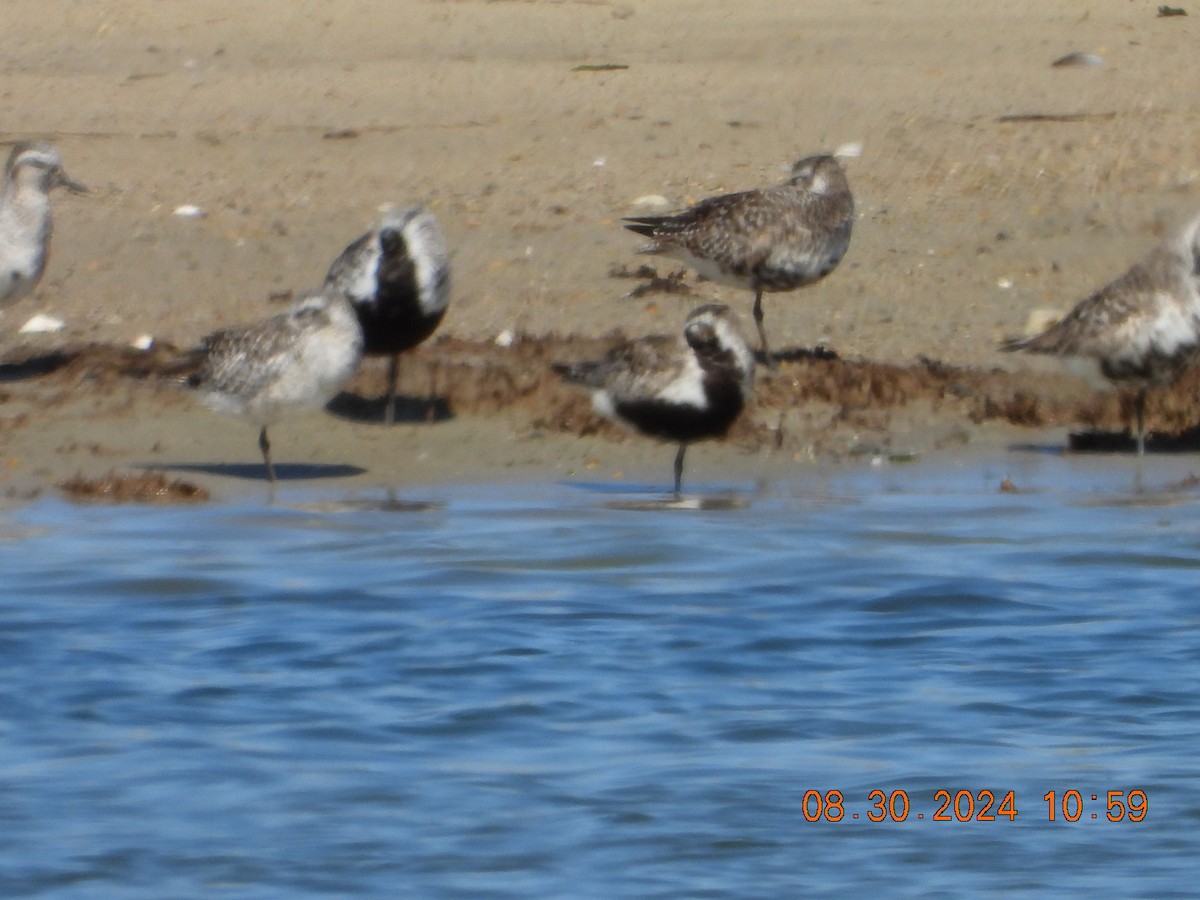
point(295, 359)
point(677, 389)
point(1140, 331)
point(397, 276)
point(772, 239)
point(34, 168)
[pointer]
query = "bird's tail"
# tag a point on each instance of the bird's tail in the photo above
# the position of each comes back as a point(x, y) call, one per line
point(1048, 341)
point(576, 373)
point(1014, 344)
point(184, 367)
point(644, 225)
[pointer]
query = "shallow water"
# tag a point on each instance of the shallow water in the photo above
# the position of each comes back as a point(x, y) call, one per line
point(533, 691)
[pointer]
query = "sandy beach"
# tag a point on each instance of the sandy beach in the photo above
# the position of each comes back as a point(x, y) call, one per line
point(991, 184)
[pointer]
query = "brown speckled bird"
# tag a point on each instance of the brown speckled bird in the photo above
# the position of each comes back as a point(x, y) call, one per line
point(773, 239)
point(1140, 331)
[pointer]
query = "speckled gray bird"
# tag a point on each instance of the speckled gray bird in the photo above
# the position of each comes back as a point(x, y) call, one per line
point(34, 169)
point(773, 239)
point(263, 370)
point(1139, 331)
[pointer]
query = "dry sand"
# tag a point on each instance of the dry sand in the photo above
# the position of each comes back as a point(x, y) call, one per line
point(991, 184)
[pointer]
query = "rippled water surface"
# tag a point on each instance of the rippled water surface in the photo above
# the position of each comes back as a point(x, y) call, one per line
point(536, 691)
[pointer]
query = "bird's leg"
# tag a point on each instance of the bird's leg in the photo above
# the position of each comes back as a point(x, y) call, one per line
point(1139, 405)
point(762, 332)
point(431, 401)
point(265, 446)
point(679, 470)
point(389, 408)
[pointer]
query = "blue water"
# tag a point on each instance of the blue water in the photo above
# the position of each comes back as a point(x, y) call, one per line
point(522, 691)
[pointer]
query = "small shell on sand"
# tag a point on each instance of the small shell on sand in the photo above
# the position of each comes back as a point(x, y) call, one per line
point(650, 205)
point(1078, 58)
point(849, 150)
point(1041, 319)
point(43, 324)
point(189, 211)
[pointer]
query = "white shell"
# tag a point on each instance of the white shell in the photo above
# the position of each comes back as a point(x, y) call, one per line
point(1078, 59)
point(42, 324)
point(650, 205)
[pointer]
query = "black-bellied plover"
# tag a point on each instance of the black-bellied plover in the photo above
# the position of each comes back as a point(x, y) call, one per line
point(397, 276)
point(295, 359)
point(1140, 331)
point(677, 389)
point(34, 168)
point(773, 239)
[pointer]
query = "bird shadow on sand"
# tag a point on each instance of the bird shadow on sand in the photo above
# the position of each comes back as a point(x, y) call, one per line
point(35, 366)
point(1122, 443)
point(410, 410)
point(256, 472)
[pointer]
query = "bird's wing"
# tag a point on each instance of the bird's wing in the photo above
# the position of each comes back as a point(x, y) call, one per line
point(1142, 308)
point(242, 360)
point(632, 370)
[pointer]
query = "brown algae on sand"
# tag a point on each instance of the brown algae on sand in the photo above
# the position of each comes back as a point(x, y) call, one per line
point(143, 487)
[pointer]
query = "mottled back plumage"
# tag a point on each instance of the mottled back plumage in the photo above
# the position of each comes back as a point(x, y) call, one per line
point(678, 389)
point(1141, 330)
point(772, 239)
point(34, 168)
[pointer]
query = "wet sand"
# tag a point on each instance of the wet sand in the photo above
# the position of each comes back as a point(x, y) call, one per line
point(991, 184)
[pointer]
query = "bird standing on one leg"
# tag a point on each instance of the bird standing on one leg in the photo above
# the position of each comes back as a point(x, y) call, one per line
point(1140, 331)
point(772, 239)
point(34, 169)
point(679, 389)
point(397, 277)
point(295, 359)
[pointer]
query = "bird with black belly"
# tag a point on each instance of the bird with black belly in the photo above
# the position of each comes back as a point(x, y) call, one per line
point(397, 277)
point(683, 390)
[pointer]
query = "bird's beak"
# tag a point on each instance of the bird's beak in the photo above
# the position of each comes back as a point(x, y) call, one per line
point(61, 178)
